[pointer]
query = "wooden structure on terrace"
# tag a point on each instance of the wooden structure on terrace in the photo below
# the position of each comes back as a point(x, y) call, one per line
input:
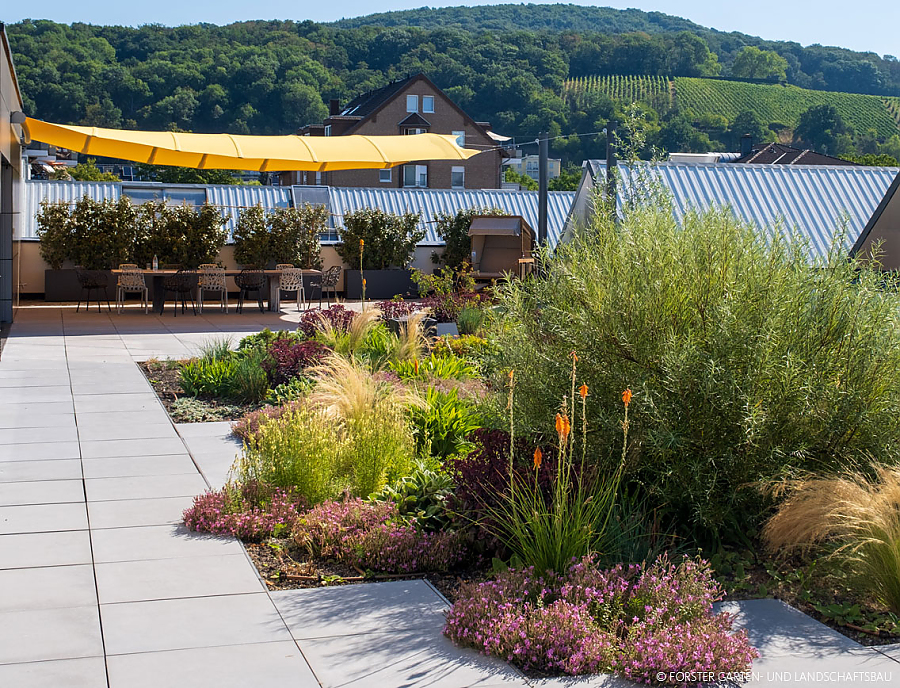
point(500, 245)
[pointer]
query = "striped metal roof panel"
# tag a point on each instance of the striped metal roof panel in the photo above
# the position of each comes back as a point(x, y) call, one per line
point(232, 197)
point(37, 190)
point(816, 201)
point(430, 202)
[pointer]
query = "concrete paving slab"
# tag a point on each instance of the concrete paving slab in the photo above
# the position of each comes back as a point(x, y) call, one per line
point(41, 492)
point(36, 419)
point(89, 672)
point(93, 403)
point(31, 435)
point(49, 587)
point(101, 449)
point(29, 550)
point(375, 660)
point(158, 542)
point(329, 612)
point(135, 466)
point(38, 451)
point(892, 651)
point(127, 418)
point(49, 469)
point(145, 487)
point(42, 634)
point(31, 395)
point(128, 432)
point(234, 666)
point(42, 518)
point(192, 622)
point(127, 513)
point(159, 579)
point(192, 430)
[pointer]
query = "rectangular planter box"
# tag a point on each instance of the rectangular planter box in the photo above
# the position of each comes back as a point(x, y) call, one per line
point(62, 285)
point(380, 284)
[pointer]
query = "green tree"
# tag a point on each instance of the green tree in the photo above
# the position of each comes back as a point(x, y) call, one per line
point(520, 178)
point(88, 171)
point(568, 179)
point(822, 128)
point(186, 175)
point(748, 122)
point(753, 63)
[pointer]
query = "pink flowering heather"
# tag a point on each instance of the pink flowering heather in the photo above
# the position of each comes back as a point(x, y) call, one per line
point(241, 512)
point(637, 623)
point(374, 536)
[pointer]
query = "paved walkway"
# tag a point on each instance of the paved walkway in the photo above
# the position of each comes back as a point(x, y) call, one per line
point(101, 588)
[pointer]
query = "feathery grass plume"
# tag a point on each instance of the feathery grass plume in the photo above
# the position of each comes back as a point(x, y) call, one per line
point(412, 341)
point(370, 413)
point(860, 514)
point(216, 349)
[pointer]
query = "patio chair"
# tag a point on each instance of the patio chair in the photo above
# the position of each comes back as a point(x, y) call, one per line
point(91, 281)
point(314, 283)
point(212, 278)
point(292, 281)
point(181, 285)
point(329, 283)
point(131, 281)
point(249, 281)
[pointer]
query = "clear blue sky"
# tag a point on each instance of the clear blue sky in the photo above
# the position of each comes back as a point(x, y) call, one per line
point(870, 25)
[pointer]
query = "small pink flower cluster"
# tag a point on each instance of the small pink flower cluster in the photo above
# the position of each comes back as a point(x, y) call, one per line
point(374, 536)
point(237, 511)
point(637, 622)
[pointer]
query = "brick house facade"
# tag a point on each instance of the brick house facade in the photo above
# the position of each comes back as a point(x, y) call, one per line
point(410, 106)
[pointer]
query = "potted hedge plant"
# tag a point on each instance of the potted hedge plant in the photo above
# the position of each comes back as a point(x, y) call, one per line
point(453, 228)
point(96, 235)
point(382, 244)
point(180, 235)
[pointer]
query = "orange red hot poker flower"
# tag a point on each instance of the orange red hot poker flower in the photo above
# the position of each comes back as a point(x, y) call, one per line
point(563, 426)
point(626, 397)
point(538, 457)
point(583, 391)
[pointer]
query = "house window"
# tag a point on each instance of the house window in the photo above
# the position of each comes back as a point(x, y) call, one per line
point(327, 130)
point(384, 176)
point(460, 138)
point(172, 196)
point(409, 131)
point(427, 103)
point(458, 177)
point(412, 103)
point(318, 178)
point(415, 176)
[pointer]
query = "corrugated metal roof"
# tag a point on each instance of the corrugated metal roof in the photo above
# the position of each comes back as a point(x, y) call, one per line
point(815, 200)
point(430, 202)
point(230, 198)
point(37, 190)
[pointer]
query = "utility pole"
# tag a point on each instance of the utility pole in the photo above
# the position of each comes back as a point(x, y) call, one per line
point(543, 150)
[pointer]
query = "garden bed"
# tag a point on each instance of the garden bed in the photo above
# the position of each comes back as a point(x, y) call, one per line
point(165, 379)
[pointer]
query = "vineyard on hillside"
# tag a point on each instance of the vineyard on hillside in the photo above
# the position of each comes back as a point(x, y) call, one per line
point(773, 104)
point(655, 91)
point(780, 104)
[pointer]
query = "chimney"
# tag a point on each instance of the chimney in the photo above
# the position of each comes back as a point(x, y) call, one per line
point(746, 144)
point(334, 106)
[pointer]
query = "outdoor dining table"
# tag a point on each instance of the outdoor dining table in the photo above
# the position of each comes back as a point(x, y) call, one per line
point(159, 291)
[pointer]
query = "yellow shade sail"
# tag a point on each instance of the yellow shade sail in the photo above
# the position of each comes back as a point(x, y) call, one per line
point(260, 153)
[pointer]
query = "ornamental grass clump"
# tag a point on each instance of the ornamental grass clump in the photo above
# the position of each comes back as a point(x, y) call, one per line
point(858, 515)
point(635, 621)
point(373, 535)
point(247, 511)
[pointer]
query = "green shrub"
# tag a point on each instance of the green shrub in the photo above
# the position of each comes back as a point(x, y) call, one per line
point(292, 390)
point(389, 239)
point(216, 349)
point(180, 235)
point(213, 377)
point(280, 235)
point(465, 345)
point(444, 423)
point(748, 362)
point(249, 381)
point(443, 367)
point(470, 320)
point(301, 450)
point(55, 232)
point(251, 238)
point(421, 497)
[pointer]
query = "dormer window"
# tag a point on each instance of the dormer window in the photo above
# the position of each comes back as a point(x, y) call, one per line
point(412, 103)
point(427, 103)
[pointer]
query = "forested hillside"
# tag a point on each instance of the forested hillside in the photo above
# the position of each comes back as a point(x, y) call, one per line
point(505, 64)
